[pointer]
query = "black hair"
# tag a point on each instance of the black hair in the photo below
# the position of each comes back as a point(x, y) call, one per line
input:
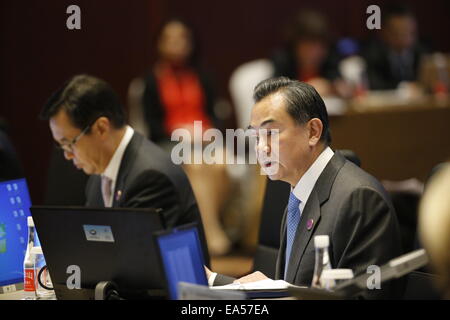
point(303, 103)
point(194, 57)
point(395, 10)
point(85, 98)
point(307, 24)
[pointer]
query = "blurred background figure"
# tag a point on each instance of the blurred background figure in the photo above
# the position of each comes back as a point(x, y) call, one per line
point(434, 226)
point(308, 54)
point(395, 55)
point(10, 166)
point(177, 93)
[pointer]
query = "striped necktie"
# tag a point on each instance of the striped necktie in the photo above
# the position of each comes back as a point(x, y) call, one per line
point(293, 219)
point(106, 191)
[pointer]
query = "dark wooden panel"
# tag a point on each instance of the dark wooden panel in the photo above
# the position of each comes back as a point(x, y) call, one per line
point(396, 144)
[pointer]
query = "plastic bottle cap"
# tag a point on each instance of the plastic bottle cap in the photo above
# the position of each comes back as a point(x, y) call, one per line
point(30, 221)
point(337, 274)
point(321, 241)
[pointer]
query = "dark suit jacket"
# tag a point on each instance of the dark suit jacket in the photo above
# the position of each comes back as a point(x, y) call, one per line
point(380, 71)
point(147, 178)
point(352, 208)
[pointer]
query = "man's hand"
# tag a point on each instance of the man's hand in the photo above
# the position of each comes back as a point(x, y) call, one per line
point(252, 277)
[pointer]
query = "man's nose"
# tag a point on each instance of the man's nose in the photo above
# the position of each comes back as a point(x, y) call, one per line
point(263, 147)
point(68, 155)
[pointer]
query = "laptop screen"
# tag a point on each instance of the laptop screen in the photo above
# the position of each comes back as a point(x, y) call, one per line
point(14, 209)
point(182, 258)
point(105, 244)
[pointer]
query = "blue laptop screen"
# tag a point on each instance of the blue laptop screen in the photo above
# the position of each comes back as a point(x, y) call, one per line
point(182, 258)
point(14, 209)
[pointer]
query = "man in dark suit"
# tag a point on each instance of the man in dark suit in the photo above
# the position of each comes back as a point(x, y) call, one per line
point(126, 170)
point(395, 56)
point(329, 194)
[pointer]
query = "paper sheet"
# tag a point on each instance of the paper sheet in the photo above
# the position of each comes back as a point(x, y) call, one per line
point(266, 284)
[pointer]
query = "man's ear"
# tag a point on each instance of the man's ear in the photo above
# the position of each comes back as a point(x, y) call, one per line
point(315, 126)
point(102, 126)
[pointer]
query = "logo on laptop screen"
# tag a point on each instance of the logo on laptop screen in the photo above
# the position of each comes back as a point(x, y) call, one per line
point(98, 233)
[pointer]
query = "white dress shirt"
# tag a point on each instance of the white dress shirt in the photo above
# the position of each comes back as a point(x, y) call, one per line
point(112, 170)
point(306, 184)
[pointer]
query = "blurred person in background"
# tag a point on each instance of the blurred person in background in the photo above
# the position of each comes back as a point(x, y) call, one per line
point(434, 226)
point(394, 57)
point(308, 55)
point(177, 93)
point(10, 167)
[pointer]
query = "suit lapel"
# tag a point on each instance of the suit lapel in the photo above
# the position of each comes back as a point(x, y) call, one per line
point(94, 197)
point(126, 164)
point(279, 268)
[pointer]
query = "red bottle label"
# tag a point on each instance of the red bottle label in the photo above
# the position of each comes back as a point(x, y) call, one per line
point(29, 284)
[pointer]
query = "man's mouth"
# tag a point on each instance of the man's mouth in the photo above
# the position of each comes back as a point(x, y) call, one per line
point(267, 164)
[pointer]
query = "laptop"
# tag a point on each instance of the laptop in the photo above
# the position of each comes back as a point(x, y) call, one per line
point(181, 257)
point(182, 260)
point(91, 245)
point(14, 209)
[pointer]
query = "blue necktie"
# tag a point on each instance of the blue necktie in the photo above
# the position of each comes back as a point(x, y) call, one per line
point(293, 218)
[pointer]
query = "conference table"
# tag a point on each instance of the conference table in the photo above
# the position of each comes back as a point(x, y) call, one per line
point(395, 142)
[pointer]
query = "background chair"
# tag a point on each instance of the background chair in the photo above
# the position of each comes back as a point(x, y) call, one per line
point(242, 82)
point(420, 286)
point(135, 107)
point(275, 200)
point(65, 183)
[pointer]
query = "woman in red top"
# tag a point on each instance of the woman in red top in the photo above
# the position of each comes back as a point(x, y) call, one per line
point(178, 93)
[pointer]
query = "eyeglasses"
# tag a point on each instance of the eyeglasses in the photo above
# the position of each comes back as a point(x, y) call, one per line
point(68, 147)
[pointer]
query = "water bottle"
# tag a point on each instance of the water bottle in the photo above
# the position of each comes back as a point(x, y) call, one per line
point(43, 281)
point(321, 243)
point(29, 276)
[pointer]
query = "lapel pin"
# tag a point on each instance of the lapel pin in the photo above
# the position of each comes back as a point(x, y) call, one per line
point(118, 195)
point(309, 224)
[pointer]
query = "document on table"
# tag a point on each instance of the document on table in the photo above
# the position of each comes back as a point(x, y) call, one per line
point(264, 285)
point(266, 288)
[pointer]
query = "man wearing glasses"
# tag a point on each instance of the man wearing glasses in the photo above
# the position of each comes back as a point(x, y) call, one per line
point(126, 170)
